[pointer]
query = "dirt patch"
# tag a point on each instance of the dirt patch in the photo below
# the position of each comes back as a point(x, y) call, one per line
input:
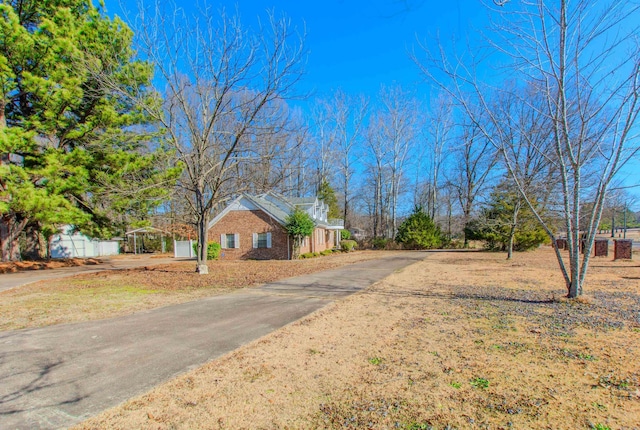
point(114, 293)
point(460, 340)
point(19, 266)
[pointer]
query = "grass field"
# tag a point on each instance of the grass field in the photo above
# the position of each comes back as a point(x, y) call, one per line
point(459, 340)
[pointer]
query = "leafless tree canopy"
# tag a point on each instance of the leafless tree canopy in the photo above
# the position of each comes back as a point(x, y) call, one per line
point(224, 89)
point(583, 60)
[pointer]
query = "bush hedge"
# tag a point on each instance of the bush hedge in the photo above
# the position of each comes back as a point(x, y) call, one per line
point(213, 250)
point(348, 245)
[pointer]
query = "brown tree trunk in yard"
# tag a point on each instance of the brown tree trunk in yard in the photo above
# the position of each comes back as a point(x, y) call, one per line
point(10, 229)
point(512, 230)
point(35, 248)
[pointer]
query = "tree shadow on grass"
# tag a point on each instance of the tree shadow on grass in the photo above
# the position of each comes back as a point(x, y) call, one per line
point(467, 295)
point(604, 310)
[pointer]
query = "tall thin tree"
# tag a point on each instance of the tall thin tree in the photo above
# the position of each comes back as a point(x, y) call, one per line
point(224, 88)
point(584, 59)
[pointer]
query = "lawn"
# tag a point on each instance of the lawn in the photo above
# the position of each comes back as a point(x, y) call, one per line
point(459, 340)
point(114, 293)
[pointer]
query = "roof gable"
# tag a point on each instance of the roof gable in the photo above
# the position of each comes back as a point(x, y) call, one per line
point(277, 207)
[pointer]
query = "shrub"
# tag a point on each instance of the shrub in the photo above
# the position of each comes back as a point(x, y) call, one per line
point(419, 231)
point(213, 250)
point(345, 234)
point(315, 254)
point(348, 245)
point(496, 237)
point(380, 242)
point(495, 223)
point(298, 225)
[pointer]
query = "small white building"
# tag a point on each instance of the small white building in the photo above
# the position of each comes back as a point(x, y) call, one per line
point(72, 244)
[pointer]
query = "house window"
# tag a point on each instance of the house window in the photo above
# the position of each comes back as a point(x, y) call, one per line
point(230, 240)
point(262, 240)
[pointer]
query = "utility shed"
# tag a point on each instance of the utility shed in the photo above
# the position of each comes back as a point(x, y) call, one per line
point(70, 243)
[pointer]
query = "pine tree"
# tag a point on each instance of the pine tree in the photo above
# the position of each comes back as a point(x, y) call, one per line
point(327, 194)
point(69, 154)
point(506, 223)
point(419, 231)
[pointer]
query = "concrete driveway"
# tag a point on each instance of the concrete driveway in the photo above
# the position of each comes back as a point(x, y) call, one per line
point(57, 376)
point(13, 280)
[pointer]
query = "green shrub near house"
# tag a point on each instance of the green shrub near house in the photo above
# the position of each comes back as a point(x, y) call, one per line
point(348, 245)
point(298, 225)
point(213, 250)
point(316, 254)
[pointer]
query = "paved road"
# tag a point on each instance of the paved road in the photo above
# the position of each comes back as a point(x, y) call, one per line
point(57, 376)
point(13, 280)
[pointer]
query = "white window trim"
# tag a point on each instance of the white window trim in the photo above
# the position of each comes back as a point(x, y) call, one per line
point(223, 240)
point(256, 240)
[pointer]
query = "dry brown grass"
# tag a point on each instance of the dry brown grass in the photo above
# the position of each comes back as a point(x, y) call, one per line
point(464, 340)
point(21, 266)
point(113, 293)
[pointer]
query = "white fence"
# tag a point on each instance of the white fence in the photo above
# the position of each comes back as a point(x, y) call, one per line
point(183, 249)
point(79, 246)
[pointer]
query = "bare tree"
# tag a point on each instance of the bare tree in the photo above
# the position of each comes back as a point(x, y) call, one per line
point(398, 128)
point(376, 166)
point(276, 159)
point(583, 57)
point(300, 168)
point(223, 89)
point(528, 141)
point(324, 143)
point(439, 133)
point(474, 161)
point(349, 115)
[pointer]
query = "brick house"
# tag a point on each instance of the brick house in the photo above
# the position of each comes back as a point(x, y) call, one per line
point(252, 227)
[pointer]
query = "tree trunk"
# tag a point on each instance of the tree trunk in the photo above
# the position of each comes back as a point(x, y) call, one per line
point(35, 249)
point(377, 208)
point(512, 234)
point(347, 222)
point(297, 242)
point(10, 228)
point(201, 254)
point(512, 230)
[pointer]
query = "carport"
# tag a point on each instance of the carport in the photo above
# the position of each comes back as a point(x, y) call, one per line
point(139, 235)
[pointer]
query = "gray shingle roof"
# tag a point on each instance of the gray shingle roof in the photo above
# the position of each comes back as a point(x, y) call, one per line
point(272, 209)
point(280, 207)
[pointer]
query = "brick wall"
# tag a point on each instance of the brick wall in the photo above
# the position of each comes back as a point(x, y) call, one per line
point(320, 240)
point(245, 223)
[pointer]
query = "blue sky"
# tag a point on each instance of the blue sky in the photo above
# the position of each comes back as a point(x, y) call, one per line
point(357, 46)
